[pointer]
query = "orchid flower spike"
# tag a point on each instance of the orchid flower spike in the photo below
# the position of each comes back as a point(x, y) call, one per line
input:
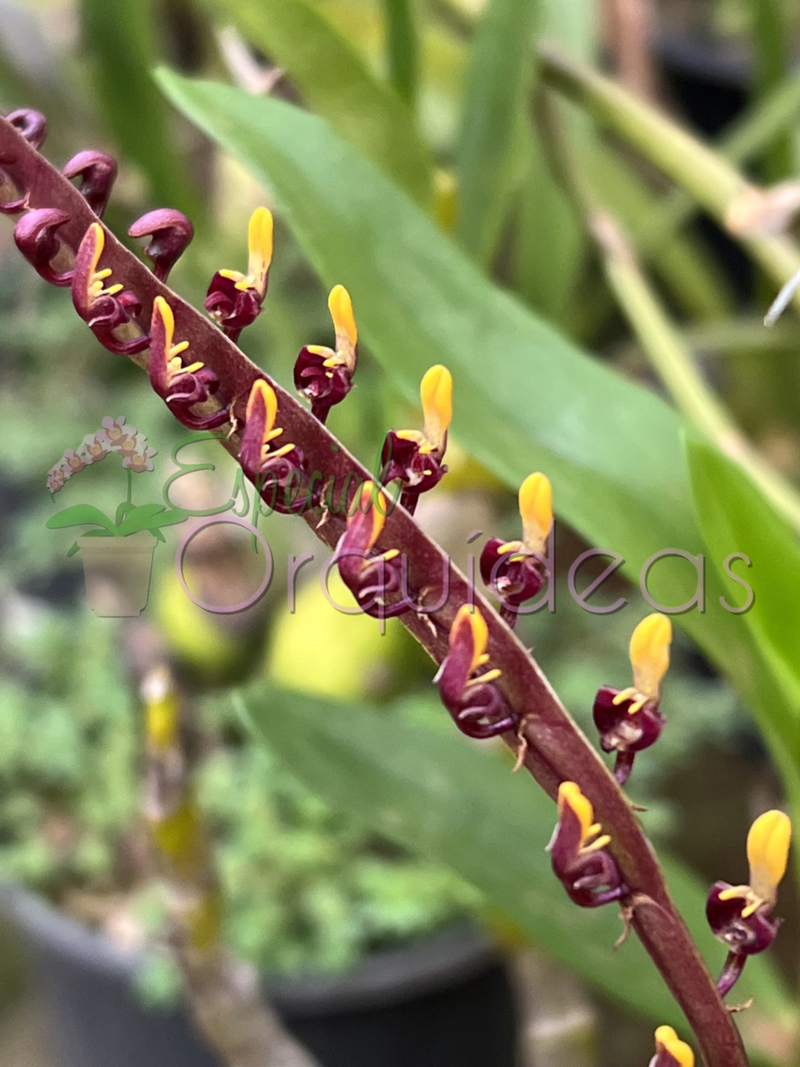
point(629, 720)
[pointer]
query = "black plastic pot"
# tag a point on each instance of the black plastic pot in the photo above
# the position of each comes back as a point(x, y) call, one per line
point(444, 1000)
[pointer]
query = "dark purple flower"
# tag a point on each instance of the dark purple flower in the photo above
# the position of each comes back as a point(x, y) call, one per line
point(35, 235)
point(628, 720)
point(324, 376)
point(413, 457)
point(234, 299)
point(515, 570)
point(181, 387)
point(98, 173)
point(578, 852)
point(170, 233)
point(373, 578)
point(476, 704)
point(741, 915)
point(104, 308)
point(279, 473)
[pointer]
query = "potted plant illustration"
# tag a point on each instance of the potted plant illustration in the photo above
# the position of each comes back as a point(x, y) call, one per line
point(118, 553)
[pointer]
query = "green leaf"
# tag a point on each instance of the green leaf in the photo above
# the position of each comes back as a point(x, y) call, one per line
point(336, 83)
point(549, 237)
point(491, 151)
point(449, 800)
point(736, 518)
point(525, 398)
point(79, 515)
point(121, 40)
point(771, 37)
point(402, 47)
point(150, 517)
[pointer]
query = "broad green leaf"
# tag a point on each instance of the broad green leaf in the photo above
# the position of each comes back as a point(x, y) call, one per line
point(150, 517)
point(457, 803)
point(78, 515)
point(337, 84)
point(525, 398)
point(736, 518)
point(492, 140)
point(120, 39)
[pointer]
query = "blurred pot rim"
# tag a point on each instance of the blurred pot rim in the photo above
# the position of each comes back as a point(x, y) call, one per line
point(437, 961)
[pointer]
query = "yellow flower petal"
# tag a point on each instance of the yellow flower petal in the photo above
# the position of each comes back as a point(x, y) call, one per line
point(536, 510)
point(649, 653)
point(344, 322)
point(164, 311)
point(667, 1039)
point(436, 394)
point(471, 617)
point(369, 506)
point(262, 390)
point(259, 245)
point(570, 795)
point(767, 853)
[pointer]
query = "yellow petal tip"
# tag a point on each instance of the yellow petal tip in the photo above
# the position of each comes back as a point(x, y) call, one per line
point(649, 653)
point(470, 617)
point(259, 242)
point(436, 394)
point(536, 510)
point(768, 852)
point(344, 321)
point(668, 1040)
point(262, 391)
point(570, 795)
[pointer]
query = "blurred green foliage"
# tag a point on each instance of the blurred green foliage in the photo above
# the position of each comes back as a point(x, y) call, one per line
point(425, 155)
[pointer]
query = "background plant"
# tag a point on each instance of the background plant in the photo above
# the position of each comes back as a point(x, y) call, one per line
point(603, 472)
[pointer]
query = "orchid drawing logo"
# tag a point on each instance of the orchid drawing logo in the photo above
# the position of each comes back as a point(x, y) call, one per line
point(117, 552)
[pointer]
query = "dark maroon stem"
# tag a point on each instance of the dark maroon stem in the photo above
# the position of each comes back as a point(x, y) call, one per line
point(556, 748)
point(623, 767)
point(731, 972)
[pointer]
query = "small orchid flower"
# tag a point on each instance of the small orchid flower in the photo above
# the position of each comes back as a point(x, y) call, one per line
point(234, 299)
point(181, 387)
point(95, 446)
point(170, 234)
point(97, 172)
point(324, 376)
point(284, 467)
point(58, 476)
point(118, 433)
point(578, 852)
point(741, 915)
point(629, 720)
point(73, 462)
point(36, 236)
point(670, 1050)
point(105, 308)
point(515, 570)
point(475, 703)
point(371, 577)
point(140, 460)
point(413, 457)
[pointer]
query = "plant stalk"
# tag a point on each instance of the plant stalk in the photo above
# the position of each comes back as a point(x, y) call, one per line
point(710, 179)
point(674, 363)
point(556, 748)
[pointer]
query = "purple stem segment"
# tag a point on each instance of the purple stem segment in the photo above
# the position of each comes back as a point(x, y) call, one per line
point(556, 748)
